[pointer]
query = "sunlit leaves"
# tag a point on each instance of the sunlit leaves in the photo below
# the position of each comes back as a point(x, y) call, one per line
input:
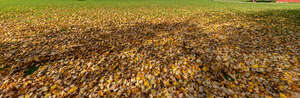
point(72, 89)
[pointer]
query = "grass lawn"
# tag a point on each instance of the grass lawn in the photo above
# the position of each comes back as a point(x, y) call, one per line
point(131, 48)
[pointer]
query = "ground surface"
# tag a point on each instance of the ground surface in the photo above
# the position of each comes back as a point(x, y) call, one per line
point(148, 48)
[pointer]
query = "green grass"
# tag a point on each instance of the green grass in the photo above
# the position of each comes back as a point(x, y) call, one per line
point(13, 8)
point(195, 4)
point(31, 70)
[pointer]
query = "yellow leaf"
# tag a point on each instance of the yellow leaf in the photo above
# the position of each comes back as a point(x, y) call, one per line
point(48, 94)
point(43, 67)
point(232, 86)
point(210, 96)
point(27, 96)
point(167, 95)
point(199, 81)
point(205, 69)
point(262, 66)
point(156, 72)
point(36, 58)
point(74, 88)
point(158, 81)
point(165, 69)
point(173, 66)
point(178, 76)
point(146, 83)
point(282, 95)
point(250, 90)
point(114, 67)
point(101, 93)
point(269, 97)
point(196, 68)
point(183, 71)
point(167, 83)
point(109, 81)
point(235, 96)
point(102, 77)
point(26, 83)
point(280, 87)
point(138, 78)
point(255, 66)
point(52, 88)
point(139, 74)
point(71, 63)
point(175, 83)
point(288, 78)
point(117, 77)
point(242, 64)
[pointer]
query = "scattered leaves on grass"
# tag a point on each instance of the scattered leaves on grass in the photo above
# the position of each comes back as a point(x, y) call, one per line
point(228, 77)
point(31, 70)
point(3, 68)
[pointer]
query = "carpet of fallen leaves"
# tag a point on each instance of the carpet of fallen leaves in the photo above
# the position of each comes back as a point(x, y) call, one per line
point(148, 52)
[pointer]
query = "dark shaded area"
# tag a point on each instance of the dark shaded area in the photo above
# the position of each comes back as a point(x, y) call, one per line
point(89, 44)
point(31, 70)
point(3, 68)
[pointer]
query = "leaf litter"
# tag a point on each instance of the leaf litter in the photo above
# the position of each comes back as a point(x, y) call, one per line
point(90, 53)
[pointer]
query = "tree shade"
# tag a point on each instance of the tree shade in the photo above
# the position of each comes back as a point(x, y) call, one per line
point(288, 1)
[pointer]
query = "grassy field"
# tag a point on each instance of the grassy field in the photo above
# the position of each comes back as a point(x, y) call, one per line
point(154, 48)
